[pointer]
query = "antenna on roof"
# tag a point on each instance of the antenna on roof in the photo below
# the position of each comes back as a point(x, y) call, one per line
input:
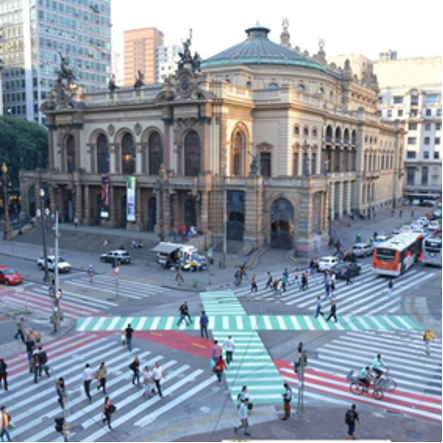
point(190, 34)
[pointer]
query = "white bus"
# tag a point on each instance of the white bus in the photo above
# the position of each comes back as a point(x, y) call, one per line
point(431, 254)
point(397, 255)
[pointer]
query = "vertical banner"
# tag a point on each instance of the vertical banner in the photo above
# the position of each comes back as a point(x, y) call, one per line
point(104, 197)
point(130, 199)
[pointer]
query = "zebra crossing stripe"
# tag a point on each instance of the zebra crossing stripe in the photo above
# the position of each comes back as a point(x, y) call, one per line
point(114, 323)
point(99, 323)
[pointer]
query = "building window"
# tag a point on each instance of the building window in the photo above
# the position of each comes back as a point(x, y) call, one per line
point(400, 113)
point(380, 99)
point(155, 153)
point(426, 155)
point(411, 154)
point(436, 155)
point(398, 99)
point(248, 85)
point(427, 126)
point(314, 163)
point(272, 86)
point(412, 126)
point(128, 154)
point(427, 140)
point(414, 113)
point(432, 98)
point(306, 131)
point(296, 130)
point(412, 140)
point(437, 140)
point(428, 112)
point(414, 99)
point(192, 154)
point(238, 148)
point(314, 133)
point(424, 176)
point(70, 154)
point(389, 113)
point(295, 170)
point(102, 154)
point(410, 176)
point(265, 164)
point(301, 88)
point(437, 126)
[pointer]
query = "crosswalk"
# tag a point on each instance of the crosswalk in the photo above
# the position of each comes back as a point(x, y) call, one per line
point(106, 285)
point(418, 376)
point(74, 305)
point(367, 295)
point(33, 407)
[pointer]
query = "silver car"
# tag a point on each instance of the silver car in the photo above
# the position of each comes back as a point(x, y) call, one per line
point(362, 249)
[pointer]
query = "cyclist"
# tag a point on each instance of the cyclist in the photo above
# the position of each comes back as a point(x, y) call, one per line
point(365, 377)
point(91, 273)
point(376, 364)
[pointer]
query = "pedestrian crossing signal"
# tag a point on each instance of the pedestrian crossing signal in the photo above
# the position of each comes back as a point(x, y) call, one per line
point(59, 422)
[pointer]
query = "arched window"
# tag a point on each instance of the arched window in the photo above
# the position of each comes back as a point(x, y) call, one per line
point(192, 154)
point(346, 136)
point(238, 149)
point(248, 84)
point(354, 137)
point(306, 131)
point(338, 135)
point(301, 88)
point(155, 153)
point(314, 132)
point(329, 134)
point(70, 154)
point(296, 130)
point(272, 86)
point(102, 154)
point(266, 164)
point(128, 154)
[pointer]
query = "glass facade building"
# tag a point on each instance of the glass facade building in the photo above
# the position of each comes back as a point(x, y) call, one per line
point(33, 33)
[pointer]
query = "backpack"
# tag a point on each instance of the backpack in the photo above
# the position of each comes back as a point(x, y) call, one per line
point(111, 409)
point(349, 417)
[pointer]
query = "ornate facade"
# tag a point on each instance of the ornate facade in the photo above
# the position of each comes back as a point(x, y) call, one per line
point(261, 141)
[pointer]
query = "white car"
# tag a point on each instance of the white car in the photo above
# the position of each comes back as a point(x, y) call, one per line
point(419, 229)
point(326, 263)
point(362, 249)
point(406, 228)
point(433, 225)
point(63, 265)
point(422, 220)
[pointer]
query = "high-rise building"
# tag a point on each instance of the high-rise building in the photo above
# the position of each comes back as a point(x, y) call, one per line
point(1, 86)
point(140, 54)
point(33, 35)
point(167, 57)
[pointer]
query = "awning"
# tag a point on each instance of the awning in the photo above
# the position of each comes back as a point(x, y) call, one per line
point(165, 248)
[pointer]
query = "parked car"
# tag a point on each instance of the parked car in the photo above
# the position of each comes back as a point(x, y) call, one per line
point(326, 263)
point(63, 265)
point(121, 256)
point(341, 268)
point(423, 221)
point(362, 249)
point(434, 225)
point(9, 276)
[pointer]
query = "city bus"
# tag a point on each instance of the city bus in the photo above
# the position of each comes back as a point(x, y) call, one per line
point(431, 250)
point(397, 255)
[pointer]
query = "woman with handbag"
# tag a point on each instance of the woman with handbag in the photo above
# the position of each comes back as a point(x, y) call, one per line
point(135, 368)
point(100, 376)
point(148, 381)
point(107, 411)
point(6, 425)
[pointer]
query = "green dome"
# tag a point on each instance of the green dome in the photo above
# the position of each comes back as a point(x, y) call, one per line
point(257, 49)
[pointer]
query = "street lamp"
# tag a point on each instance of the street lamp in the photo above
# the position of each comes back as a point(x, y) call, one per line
point(45, 248)
point(7, 231)
point(326, 174)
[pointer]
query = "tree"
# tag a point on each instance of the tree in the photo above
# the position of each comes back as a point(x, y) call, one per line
point(23, 145)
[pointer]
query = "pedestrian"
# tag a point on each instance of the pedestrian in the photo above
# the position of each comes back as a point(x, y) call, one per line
point(327, 290)
point(304, 281)
point(333, 312)
point(30, 347)
point(3, 373)
point(333, 282)
point(287, 399)
point(183, 314)
point(216, 351)
point(179, 275)
point(229, 346)
point(242, 412)
point(43, 362)
point(100, 376)
point(60, 388)
point(254, 287)
point(158, 375)
point(184, 231)
point(244, 395)
point(428, 336)
point(348, 275)
point(128, 335)
point(204, 322)
point(351, 418)
point(314, 273)
point(296, 277)
point(400, 213)
point(35, 365)
point(375, 235)
point(107, 411)
point(87, 380)
point(412, 214)
point(219, 367)
point(279, 287)
point(318, 310)
point(284, 282)
point(91, 273)
point(135, 368)
point(186, 311)
point(269, 281)
point(6, 424)
point(148, 381)
point(20, 328)
point(391, 287)
point(275, 286)
point(76, 222)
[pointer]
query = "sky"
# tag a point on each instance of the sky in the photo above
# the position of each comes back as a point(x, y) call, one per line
point(346, 26)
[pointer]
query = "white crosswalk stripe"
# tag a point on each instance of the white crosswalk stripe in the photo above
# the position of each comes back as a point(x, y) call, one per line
point(34, 406)
point(367, 294)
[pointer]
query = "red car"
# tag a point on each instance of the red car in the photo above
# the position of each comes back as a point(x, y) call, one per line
point(9, 276)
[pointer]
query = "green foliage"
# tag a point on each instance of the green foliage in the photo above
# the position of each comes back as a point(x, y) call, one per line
point(23, 144)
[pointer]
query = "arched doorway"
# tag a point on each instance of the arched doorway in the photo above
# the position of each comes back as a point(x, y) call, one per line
point(152, 214)
point(190, 214)
point(282, 224)
point(236, 215)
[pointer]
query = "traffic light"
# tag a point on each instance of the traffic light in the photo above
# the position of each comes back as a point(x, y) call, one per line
point(59, 422)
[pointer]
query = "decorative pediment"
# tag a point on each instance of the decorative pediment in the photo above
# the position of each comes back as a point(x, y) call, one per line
point(265, 147)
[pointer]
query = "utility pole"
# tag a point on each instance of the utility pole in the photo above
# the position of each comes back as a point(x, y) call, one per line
point(225, 224)
point(8, 230)
point(116, 275)
point(301, 366)
point(57, 294)
point(45, 248)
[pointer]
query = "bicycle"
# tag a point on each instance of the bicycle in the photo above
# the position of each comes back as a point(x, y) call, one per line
point(358, 388)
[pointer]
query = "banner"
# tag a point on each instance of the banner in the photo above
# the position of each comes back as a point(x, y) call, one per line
point(104, 197)
point(130, 199)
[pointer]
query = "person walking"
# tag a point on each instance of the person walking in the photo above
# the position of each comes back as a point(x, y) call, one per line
point(327, 290)
point(348, 275)
point(5, 424)
point(158, 375)
point(333, 312)
point(107, 411)
point(284, 281)
point(304, 281)
point(296, 279)
point(351, 418)
point(391, 287)
point(187, 313)
point(87, 380)
point(60, 388)
point(287, 399)
point(20, 329)
point(183, 314)
point(244, 395)
point(318, 309)
point(269, 281)
point(204, 322)
point(333, 282)
point(100, 376)
point(35, 366)
point(128, 335)
point(91, 273)
point(242, 412)
point(229, 346)
point(30, 346)
point(428, 336)
point(43, 362)
point(219, 367)
point(3, 373)
point(313, 273)
point(148, 382)
point(254, 287)
point(216, 351)
point(135, 368)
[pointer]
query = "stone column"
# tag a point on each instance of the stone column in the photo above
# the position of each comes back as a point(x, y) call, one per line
point(254, 208)
point(138, 209)
point(78, 160)
point(87, 219)
point(51, 146)
point(112, 158)
point(53, 199)
point(204, 161)
point(204, 212)
point(138, 159)
point(166, 212)
point(78, 202)
point(339, 199)
point(331, 206)
point(349, 198)
point(112, 206)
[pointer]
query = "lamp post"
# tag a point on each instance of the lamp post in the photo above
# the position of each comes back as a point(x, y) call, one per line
point(326, 174)
point(7, 231)
point(45, 248)
point(162, 181)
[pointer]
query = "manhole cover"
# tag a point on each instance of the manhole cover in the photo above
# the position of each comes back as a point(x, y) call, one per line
point(76, 429)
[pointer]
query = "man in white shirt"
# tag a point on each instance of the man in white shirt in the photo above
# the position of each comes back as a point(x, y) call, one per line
point(158, 374)
point(87, 379)
point(242, 412)
point(229, 346)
